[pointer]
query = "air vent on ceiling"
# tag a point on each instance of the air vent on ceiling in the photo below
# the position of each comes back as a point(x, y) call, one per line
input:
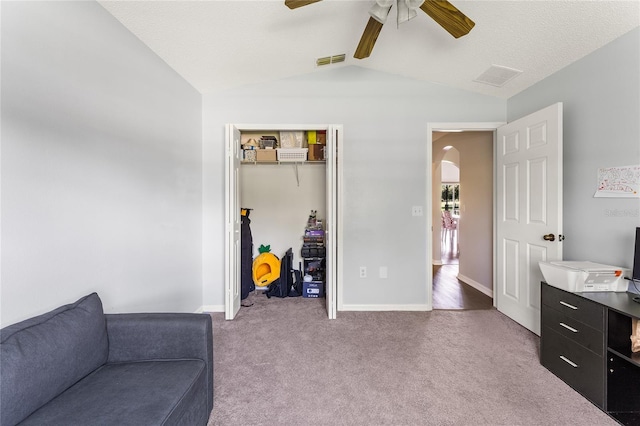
point(497, 75)
point(330, 60)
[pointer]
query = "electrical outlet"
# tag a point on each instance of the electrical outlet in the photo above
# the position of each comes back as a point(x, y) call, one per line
point(416, 211)
point(384, 272)
point(363, 272)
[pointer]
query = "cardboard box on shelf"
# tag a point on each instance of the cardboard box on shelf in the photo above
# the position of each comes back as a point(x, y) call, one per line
point(321, 137)
point(265, 155)
point(316, 152)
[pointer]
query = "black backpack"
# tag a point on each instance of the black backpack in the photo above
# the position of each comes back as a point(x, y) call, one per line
point(290, 281)
point(296, 287)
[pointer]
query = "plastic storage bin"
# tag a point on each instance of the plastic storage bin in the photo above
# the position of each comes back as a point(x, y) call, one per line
point(291, 139)
point(292, 154)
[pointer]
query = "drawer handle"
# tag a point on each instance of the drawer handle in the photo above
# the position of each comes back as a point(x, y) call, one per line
point(571, 329)
point(568, 305)
point(568, 361)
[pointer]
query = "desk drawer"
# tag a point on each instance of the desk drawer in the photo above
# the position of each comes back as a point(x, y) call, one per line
point(573, 329)
point(574, 306)
point(579, 368)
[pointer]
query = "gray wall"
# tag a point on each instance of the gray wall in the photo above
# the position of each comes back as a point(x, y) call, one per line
point(101, 166)
point(281, 203)
point(384, 152)
point(601, 96)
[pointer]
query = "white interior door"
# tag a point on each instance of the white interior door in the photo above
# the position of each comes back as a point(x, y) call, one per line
point(529, 207)
point(332, 188)
point(232, 223)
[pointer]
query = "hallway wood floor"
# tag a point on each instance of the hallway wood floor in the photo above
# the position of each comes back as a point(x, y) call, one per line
point(448, 291)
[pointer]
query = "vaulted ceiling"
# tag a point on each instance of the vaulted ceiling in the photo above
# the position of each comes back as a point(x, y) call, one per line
point(223, 44)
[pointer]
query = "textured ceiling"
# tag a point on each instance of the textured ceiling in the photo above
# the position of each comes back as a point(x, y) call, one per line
point(218, 45)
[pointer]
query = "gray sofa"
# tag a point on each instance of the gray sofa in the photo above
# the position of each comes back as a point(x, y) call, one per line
point(77, 366)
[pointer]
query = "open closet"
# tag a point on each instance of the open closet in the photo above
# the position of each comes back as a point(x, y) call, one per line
point(284, 174)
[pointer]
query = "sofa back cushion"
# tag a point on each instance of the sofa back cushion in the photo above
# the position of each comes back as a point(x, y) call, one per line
point(44, 355)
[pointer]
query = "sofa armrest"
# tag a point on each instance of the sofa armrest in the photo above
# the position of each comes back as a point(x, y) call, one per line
point(145, 336)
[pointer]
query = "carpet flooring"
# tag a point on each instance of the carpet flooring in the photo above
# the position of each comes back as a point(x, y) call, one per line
point(282, 362)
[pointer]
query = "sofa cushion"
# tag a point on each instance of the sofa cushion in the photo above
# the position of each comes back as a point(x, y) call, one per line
point(44, 355)
point(163, 392)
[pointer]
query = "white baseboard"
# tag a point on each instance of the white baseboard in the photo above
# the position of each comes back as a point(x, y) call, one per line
point(210, 308)
point(437, 262)
point(376, 308)
point(476, 285)
point(345, 308)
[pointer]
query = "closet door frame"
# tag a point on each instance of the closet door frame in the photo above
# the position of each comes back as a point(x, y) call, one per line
point(333, 228)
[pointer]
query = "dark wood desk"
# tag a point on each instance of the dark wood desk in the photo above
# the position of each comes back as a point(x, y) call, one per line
point(585, 341)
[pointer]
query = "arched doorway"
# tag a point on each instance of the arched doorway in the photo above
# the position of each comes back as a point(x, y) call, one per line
point(449, 205)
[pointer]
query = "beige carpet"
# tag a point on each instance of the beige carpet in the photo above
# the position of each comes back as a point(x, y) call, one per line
point(282, 362)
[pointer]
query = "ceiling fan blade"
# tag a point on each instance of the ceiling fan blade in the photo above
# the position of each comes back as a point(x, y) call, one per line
point(294, 4)
point(448, 16)
point(368, 39)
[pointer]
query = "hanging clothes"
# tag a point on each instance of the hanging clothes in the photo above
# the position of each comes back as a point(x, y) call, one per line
point(246, 255)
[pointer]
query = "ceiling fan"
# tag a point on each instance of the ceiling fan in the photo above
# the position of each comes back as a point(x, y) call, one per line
point(441, 11)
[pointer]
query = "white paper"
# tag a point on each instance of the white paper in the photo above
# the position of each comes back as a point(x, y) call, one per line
point(618, 182)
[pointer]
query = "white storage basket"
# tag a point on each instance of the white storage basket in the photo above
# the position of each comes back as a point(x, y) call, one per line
point(292, 154)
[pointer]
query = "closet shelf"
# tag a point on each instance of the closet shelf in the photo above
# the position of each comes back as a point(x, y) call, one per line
point(283, 162)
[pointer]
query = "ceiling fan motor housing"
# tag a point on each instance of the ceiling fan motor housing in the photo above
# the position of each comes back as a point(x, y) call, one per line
point(406, 10)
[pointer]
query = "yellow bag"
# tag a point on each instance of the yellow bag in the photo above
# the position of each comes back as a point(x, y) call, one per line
point(266, 267)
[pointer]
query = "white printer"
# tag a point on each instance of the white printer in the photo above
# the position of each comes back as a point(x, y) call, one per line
point(584, 276)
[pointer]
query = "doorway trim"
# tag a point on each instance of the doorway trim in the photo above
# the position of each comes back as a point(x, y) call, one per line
point(455, 126)
point(334, 231)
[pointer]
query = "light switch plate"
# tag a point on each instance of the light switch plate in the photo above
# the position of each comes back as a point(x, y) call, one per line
point(416, 211)
point(384, 272)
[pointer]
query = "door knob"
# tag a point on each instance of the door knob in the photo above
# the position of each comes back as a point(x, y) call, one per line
point(549, 237)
